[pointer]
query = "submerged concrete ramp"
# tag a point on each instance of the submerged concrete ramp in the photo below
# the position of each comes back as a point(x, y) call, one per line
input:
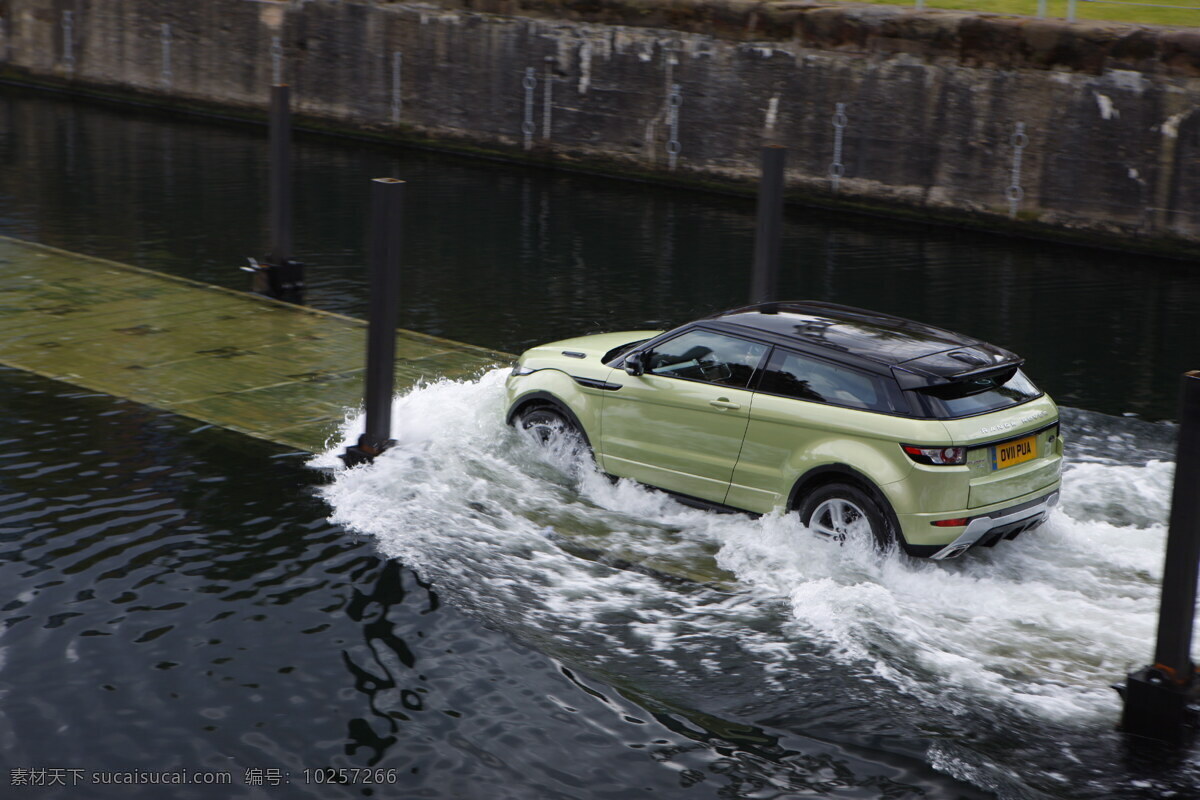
point(272, 370)
point(268, 369)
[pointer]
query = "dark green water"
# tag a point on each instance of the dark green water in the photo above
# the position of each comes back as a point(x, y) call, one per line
point(507, 258)
point(177, 598)
point(177, 601)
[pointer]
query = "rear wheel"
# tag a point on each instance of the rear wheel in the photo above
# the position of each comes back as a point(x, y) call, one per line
point(840, 511)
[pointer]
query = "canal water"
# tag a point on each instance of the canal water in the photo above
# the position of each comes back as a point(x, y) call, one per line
point(462, 619)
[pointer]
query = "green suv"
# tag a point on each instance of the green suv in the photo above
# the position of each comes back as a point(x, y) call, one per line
point(866, 424)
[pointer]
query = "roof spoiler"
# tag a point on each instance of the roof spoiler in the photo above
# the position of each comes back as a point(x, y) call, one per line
point(920, 379)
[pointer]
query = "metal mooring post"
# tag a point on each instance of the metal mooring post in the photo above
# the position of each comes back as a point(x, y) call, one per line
point(764, 284)
point(280, 276)
point(1157, 697)
point(68, 35)
point(387, 195)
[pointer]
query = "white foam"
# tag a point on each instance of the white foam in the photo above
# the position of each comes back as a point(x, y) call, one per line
point(1043, 624)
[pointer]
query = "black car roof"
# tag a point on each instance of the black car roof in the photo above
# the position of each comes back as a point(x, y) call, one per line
point(857, 335)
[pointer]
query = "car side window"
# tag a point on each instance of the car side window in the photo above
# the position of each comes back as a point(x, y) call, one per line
point(794, 375)
point(708, 357)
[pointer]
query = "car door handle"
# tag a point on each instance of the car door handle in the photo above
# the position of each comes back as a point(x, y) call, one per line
point(723, 403)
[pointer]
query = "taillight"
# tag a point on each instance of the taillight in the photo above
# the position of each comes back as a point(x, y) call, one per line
point(958, 522)
point(936, 456)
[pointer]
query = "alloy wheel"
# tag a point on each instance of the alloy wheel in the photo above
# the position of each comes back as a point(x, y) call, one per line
point(837, 518)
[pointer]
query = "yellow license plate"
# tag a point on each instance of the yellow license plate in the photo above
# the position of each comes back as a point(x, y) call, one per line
point(1018, 451)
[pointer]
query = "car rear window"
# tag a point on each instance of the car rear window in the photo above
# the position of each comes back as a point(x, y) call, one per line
point(793, 375)
point(978, 395)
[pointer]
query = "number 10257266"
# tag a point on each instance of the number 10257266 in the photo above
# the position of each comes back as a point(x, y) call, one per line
point(354, 775)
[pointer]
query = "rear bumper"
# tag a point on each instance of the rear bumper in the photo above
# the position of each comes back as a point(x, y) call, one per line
point(987, 529)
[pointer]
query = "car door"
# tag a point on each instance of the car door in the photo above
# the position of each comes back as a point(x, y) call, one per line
point(679, 426)
point(806, 412)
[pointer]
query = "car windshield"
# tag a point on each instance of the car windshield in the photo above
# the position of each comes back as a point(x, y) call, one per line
point(978, 395)
point(612, 355)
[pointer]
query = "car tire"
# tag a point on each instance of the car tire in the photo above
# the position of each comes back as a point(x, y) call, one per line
point(841, 511)
point(549, 427)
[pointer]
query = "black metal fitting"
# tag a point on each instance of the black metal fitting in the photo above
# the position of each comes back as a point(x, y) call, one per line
point(1159, 707)
point(283, 281)
point(364, 452)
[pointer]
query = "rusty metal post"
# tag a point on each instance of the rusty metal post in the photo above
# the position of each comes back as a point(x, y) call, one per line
point(764, 283)
point(387, 196)
point(1157, 697)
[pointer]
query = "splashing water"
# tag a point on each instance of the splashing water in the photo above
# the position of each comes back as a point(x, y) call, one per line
point(630, 583)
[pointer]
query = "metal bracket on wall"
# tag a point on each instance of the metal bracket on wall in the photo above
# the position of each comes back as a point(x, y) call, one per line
point(674, 101)
point(529, 82)
point(397, 98)
point(276, 60)
point(1014, 192)
point(836, 168)
point(547, 96)
point(68, 31)
point(165, 38)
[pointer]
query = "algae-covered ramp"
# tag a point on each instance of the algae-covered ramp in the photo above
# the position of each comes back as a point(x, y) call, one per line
point(272, 370)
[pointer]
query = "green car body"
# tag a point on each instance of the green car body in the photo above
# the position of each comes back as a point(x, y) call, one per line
point(758, 409)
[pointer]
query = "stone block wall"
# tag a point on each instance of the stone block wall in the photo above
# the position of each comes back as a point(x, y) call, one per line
point(1086, 130)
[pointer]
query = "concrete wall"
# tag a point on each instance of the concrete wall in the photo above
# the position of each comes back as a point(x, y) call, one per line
point(1085, 130)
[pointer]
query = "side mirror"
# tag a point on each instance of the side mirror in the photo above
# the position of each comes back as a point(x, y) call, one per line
point(634, 364)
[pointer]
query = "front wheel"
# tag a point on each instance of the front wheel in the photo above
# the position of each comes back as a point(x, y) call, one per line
point(549, 427)
point(840, 511)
